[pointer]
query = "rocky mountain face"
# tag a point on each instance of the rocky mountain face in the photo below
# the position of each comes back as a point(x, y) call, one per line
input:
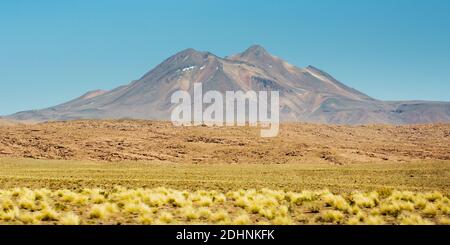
point(306, 94)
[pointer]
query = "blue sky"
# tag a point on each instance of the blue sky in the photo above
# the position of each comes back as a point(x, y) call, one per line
point(53, 51)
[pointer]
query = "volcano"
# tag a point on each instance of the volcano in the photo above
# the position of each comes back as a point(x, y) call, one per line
point(306, 94)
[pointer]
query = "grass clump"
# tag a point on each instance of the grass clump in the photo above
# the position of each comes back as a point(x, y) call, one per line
point(242, 219)
point(331, 216)
point(70, 219)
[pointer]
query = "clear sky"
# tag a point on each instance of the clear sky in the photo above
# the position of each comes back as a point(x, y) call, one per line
point(53, 51)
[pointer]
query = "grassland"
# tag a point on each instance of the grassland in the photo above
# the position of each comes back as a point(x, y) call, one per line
point(265, 206)
point(57, 174)
point(86, 192)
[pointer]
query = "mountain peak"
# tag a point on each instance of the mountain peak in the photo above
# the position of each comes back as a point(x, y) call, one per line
point(255, 50)
point(189, 51)
point(255, 54)
point(185, 57)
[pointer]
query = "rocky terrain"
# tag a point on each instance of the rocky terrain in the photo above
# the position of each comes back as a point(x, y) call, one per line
point(119, 140)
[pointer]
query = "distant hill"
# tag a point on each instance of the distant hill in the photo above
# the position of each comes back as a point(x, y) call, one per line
point(306, 94)
point(7, 122)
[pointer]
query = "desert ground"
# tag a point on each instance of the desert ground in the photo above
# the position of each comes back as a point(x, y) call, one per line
point(148, 172)
point(134, 140)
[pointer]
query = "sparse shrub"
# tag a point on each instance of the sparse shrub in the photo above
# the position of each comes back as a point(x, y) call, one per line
point(375, 211)
point(384, 192)
point(413, 219)
point(374, 220)
point(392, 209)
point(113, 208)
point(205, 201)
point(337, 202)
point(28, 218)
point(282, 211)
point(331, 216)
point(204, 212)
point(293, 198)
point(155, 200)
point(420, 203)
point(146, 219)
point(70, 219)
point(267, 213)
point(404, 206)
point(73, 198)
point(135, 208)
point(254, 207)
point(166, 218)
point(97, 198)
point(262, 222)
point(267, 201)
point(363, 201)
point(353, 221)
point(98, 211)
point(444, 221)
point(16, 192)
point(241, 202)
point(9, 214)
point(219, 198)
point(177, 200)
point(430, 210)
point(25, 203)
point(242, 219)
point(189, 213)
point(444, 207)
point(314, 207)
point(301, 219)
point(47, 214)
point(356, 219)
point(282, 220)
point(6, 204)
point(41, 194)
point(67, 196)
point(328, 199)
point(308, 196)
point(219, 216)
point(433, 196)
point(403, 195)
point(353, 210)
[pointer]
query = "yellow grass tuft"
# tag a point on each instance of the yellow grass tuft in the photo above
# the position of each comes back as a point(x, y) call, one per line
point(242, 219)
point(189, 213)
point(280, 220)
point(219, 216)
point(70, 219)
point(444, 221)
point(430, 210)
point(98, 211)
point(47, 214)
point(374, 220)
point(166, 218)
point(413, 219)
point(146, 219)
point(331, 216)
